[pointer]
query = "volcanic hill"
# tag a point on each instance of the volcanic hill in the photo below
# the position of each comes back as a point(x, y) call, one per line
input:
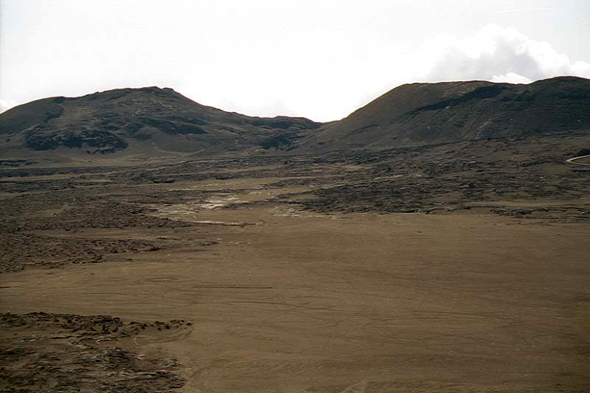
point(153, 120)
point(432, 113)
point(139, 120)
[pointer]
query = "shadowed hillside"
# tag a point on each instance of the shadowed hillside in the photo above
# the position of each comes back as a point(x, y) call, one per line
point(426, 113)
point(140, 119)
point(149, 121)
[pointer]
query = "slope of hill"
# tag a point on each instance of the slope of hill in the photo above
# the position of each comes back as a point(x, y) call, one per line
point(138, 120)
point(430, 113)
point(151, 120)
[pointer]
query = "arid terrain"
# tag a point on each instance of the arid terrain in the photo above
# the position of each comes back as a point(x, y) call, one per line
point(453, 267)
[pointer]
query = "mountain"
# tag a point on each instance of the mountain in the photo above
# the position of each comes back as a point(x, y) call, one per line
point(431, 113)
point(150, 120)
point(141, 121)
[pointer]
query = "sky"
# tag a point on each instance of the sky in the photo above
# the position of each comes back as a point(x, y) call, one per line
point(319, 59)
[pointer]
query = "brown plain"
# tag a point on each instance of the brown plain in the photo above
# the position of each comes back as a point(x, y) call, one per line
point(289, 300)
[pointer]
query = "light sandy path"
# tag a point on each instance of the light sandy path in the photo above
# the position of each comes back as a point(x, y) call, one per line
point(574, 159)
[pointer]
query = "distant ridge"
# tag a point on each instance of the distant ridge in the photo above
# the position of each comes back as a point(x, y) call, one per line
point(427, 113)
point(149, 120)
point(143, 120)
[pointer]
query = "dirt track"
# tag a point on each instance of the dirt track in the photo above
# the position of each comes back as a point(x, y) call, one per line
point(576, 159)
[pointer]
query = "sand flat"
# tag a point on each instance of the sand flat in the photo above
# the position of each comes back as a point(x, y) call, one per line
point(368, 303)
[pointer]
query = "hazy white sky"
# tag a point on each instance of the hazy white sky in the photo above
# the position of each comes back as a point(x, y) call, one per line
point(319, 58)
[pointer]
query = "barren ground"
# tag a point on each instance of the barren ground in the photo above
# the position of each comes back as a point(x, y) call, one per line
point(428, 270)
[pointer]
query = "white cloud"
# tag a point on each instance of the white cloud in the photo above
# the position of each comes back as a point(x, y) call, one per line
point(7, 104)
point(321, 60)
point(510, 77)
point(497, 54)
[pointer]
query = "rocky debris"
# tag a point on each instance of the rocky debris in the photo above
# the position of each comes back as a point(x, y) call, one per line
point(437, 178)
point(61, 170)
point(15, 163)
point(42, 352)
point(441, 189)
point(566, 213)
point(484, 175)
point(450, 177)
point(45, 138)
point(53, 251)
point(54, 201)
point(104, 326)
point(97, 215)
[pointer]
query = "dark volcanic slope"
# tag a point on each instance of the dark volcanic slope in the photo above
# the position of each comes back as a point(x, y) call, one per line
point(153, 119)
point(146, 118)
point(425, 113)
